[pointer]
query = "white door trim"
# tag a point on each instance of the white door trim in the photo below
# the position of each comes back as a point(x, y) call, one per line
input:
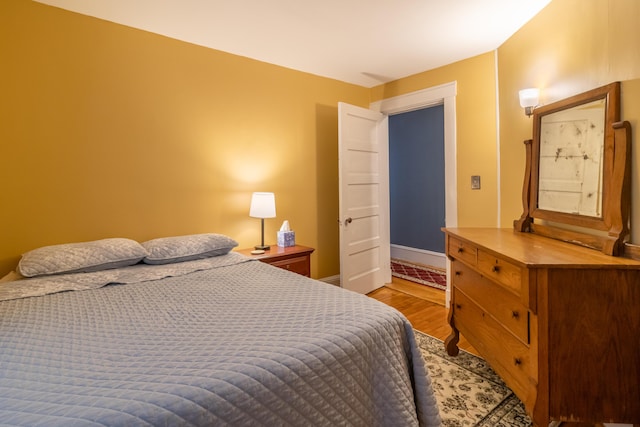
point(443, 94)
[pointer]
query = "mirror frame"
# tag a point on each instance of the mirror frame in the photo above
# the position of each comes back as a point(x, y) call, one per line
point(608, 232)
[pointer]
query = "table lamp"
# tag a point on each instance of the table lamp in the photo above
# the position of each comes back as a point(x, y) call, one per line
point(263, 205)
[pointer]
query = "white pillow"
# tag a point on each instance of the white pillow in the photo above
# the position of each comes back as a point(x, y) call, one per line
point(81, 257)
point(166, 250)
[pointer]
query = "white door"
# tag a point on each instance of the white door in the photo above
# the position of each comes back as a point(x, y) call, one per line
point(364, 198)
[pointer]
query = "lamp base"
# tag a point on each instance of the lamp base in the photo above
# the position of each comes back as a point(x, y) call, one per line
point(262, 247)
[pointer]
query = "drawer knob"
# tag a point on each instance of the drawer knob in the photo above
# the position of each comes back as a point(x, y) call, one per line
point(515, 314)
point(517, 361)
point(495, 269)
point(457, 273)
point(458, 306)
point(460, 250)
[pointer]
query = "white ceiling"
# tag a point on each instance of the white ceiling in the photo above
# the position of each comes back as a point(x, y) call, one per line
point(365, 42)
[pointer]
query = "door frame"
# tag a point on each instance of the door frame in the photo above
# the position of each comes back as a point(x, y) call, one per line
point(444, 94)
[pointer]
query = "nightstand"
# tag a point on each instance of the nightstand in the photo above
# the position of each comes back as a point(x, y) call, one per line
point(293, 258)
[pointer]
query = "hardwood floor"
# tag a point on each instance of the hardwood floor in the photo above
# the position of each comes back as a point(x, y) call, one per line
point(417, 290)
point(422, 305)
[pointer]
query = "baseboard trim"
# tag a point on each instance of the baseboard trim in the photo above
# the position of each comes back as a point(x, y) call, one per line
point(332, 280)
point(419, 256)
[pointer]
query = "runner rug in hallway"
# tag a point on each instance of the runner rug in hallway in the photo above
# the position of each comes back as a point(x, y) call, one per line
point(468, 392)
point(420, 274)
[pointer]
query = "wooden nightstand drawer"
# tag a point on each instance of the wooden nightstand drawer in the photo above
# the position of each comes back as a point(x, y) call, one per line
point(296, 259)
point(300, 265)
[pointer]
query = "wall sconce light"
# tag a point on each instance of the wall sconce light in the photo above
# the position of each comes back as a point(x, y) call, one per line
point(263, 205)
point(529, 100)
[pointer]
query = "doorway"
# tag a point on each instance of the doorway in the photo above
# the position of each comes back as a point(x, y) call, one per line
point(417, 186)
point(444, 94)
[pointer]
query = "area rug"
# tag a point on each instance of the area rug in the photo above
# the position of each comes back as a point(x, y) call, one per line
point(468, 392)
point(419, 274)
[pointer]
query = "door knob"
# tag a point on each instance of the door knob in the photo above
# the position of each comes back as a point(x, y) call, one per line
point(348, 221)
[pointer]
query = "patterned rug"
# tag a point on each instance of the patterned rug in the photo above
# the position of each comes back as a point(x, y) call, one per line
point(420, 274)
point(469, 393)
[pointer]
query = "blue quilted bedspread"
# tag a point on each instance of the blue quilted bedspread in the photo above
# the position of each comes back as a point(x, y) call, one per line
point(244, 344)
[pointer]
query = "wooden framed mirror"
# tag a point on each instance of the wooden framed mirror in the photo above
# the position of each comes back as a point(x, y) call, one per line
point(577, 178)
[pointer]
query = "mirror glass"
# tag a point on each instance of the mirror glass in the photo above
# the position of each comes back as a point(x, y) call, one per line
point(570, 171)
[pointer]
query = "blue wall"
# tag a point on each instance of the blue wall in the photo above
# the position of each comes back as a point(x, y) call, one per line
point(416, 178)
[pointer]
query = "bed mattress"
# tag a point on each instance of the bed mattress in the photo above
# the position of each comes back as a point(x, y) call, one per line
point(237, 343)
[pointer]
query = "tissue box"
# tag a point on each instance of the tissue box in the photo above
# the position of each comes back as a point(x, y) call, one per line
point(286, 238)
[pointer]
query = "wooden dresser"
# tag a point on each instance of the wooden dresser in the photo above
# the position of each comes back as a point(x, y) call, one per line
point(560, 323)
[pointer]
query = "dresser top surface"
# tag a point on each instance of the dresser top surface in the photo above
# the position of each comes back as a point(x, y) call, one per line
point(533, 250)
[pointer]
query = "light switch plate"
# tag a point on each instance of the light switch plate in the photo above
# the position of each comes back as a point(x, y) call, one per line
point(475, 182)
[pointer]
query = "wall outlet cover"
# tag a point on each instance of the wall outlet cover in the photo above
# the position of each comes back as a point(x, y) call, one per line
point(475, 182)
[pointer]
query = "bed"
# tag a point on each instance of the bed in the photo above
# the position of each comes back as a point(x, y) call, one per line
point(199, 336)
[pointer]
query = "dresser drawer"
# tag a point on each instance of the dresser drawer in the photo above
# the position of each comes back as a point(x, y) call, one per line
point(505, 307)
point(298, 265)
point(509, 357)
point(501, 271)
point(462, 250)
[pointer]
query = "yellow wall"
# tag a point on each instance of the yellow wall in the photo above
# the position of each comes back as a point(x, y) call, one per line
point(476, 147)
point(571, 46)
point(109, 131)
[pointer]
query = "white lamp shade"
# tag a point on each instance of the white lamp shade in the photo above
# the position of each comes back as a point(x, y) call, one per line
point(263, 205)
point(529, 97)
